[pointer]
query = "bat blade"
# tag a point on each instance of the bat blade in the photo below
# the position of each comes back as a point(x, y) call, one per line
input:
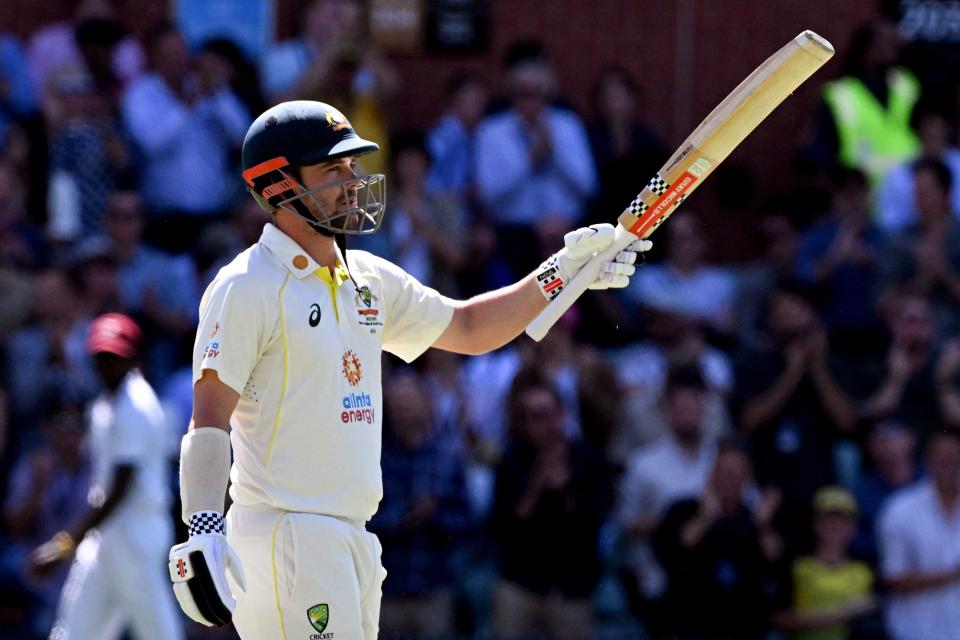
point(695, 159)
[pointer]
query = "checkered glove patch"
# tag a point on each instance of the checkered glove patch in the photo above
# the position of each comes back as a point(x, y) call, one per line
point(206, 522)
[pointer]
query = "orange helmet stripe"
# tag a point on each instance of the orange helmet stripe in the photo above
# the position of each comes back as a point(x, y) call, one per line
point(256, 171)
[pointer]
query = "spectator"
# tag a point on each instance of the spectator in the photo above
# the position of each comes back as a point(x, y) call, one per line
point(534, 168)
point(892, 465)
point(685, 284)
point(451, 140)
point(827, 592)
point(839, 256)
point(53, 345)
point(790, 403)
point(427, 231)
point(925, 256)
point(333, 60)
point(185, 121)
point(865, 120)
point(896, 205)
point(624, 148)
point(905, 385)
point(79, 43)
point(425, 516)
point(117, 576)
point(674, 467)
point(718, 551)
point(18, 95)
point(546, 483)
point(48, 486)
point(919, 535)
point(243, 76)
point(18, 256)
point(86, 149)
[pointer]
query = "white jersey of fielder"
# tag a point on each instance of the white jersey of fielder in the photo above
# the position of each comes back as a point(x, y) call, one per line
point(130, 428)
point(302, 348)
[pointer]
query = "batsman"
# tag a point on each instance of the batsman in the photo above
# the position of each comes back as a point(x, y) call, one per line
point(286, 371)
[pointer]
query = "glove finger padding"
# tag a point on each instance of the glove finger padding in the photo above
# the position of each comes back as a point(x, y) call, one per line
point(198, 571)
point(614, 275)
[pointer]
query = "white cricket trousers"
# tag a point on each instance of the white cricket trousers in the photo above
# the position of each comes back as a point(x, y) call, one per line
point(118, 580)
point(296, 563)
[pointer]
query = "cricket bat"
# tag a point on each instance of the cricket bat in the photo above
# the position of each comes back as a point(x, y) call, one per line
point(712, 141)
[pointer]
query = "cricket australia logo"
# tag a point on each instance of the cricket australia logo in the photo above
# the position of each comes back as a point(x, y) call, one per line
point(319, 617)
point(368, 312)
point(352, 370)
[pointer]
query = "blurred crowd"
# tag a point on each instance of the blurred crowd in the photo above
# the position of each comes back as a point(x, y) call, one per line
point(759, 438)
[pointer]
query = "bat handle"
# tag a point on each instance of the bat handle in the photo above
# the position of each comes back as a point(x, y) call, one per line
point(539, 326)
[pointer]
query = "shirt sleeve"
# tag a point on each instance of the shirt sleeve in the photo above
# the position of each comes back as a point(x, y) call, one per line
point(233, 331)
point(416, 315)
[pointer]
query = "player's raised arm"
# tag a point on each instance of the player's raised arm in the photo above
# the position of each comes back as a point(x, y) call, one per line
point(490, 320)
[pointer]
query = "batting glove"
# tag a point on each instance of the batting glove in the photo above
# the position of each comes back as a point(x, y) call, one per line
point(581, 245)
point(198, 569)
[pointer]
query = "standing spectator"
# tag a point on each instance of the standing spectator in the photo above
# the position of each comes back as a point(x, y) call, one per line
point(826, 591)
point(925, 256)
point(18, 96)
point(534, 168)
point(891, 449)
point(895, 202)
point(790, 403)
point(117, 576)
point(423, 518)
point(718, 551)
point(546, 483)
point(185, 121)
point(335, 61)
point(919, 535)
point(48, 486)
point(840, 257)
point(865, 122)
point(672, 468)
point(623, 147)
point(451, 140)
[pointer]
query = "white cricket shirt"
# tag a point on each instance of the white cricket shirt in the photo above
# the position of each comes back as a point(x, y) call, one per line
point(130, 428)
point(303, 350)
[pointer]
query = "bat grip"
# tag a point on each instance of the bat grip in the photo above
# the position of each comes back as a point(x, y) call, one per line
point(539, 326)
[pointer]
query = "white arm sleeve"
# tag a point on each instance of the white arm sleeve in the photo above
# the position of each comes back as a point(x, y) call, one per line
point(204, 470)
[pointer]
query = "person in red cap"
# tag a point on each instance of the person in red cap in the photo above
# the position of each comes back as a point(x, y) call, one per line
point(116, 579)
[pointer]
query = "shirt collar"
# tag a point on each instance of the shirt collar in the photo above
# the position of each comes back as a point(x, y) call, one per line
point(295, 259)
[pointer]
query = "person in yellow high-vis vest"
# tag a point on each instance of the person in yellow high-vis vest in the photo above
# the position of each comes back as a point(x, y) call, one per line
point(870, 107)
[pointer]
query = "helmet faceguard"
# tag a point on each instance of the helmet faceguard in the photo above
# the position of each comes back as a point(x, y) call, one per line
point(354, 206)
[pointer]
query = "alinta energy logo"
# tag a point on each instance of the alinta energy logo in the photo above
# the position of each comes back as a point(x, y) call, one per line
point(352, 369)
point(357, 407)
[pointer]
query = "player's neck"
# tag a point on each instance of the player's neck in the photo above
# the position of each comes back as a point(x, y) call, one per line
point(315, 245)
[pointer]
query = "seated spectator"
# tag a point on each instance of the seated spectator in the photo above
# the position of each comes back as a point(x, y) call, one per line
point(789, 401)
point(925, 256)
point(65, 44)
point(335, 61)
point(895, 203)
point(919, 535)
point(534, 168)
point(185, 121)
point(624, 148)
point(451, 140)
point(673, 467)
point(424, 517)
point(546, 483)
point(891, 455)
point(48, 485)
point(19, 99)
point(840, 257)
point(642, 371)
point(685, 283)
point(718, 551)
point(904, 385)
point(826, 591)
